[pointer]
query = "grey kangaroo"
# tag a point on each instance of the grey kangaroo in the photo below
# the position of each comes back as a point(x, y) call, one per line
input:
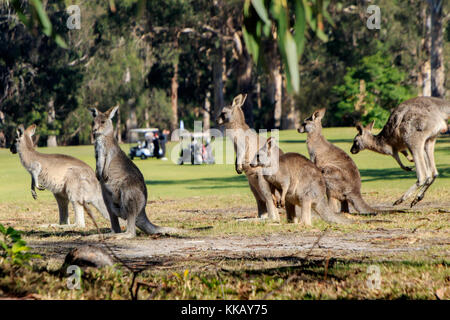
point(246, 144)
point(299, 181)
point(123, 185)
point(69, 179)
point(413, 126)
point(339, 170)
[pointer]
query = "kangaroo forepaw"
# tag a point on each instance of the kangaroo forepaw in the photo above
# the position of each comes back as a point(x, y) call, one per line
point(239, 169)
point(34, 194)
point(408, 168)
point(396, 203)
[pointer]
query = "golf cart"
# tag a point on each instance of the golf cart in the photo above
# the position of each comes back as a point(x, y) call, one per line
point(151, 143)
point(195, 148)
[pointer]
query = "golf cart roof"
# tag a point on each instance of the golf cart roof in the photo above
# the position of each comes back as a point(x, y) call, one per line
point(144, 130)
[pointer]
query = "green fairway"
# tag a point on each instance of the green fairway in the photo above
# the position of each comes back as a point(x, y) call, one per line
point(165, 179)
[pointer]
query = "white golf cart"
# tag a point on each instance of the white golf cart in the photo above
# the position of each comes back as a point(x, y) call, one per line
point(149, 144)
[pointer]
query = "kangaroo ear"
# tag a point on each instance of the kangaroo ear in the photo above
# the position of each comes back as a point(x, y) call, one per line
point(370, 125)
point(318, 114)
point(239, 100)
point(20, 130)
point(271, 141)
point(111, 112)
point(94, 112)
point(31, 130)
point(359, 127)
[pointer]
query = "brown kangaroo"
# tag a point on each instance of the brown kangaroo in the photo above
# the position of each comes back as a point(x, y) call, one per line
point(414, 126)
point(123, 185)
point(339, 170)
point(69, 179)
point(299, 181)
point(246, 144)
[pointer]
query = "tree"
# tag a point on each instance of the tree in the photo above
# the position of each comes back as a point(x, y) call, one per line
point(437, 56)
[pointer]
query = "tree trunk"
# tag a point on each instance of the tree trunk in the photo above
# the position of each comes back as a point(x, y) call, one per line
point(51, 116)
point(218, 75)
point(118, 131)
point(437, 56)
point(207, 111)
point(146, 118)
point(424, 77)
point(290, 117)
point(131, 122)
point(275, 86)
point(244, 76)
point(174, 97)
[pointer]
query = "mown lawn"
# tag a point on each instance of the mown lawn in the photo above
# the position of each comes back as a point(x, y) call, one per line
point(209, 202)
point(165, 179)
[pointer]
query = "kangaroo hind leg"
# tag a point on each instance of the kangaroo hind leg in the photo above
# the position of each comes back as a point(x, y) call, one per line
point(418, 152)
point(431, 172)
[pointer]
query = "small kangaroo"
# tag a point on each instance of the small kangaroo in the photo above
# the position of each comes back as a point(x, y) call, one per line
point(69, 179)
point(299, 181)
point(339, 170)
point(246, 144)
point(123, 185)
point(413, 126)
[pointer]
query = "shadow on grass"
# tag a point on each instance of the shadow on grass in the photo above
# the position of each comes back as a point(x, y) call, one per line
point(330, 140)
point(205, 183)
point(368, 175)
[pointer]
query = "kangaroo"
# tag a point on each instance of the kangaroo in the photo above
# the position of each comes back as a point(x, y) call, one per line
point(299, 181)
point(123, 185)
point(69, 179)
point(413, 126)
point(246, 144)
point(339, 170)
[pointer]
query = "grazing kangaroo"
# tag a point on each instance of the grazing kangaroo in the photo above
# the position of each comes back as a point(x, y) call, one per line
point(246, 144)
point(123, 185)
point(339, 170)
point(69, 179)
point(414, 126)
point(299, 181)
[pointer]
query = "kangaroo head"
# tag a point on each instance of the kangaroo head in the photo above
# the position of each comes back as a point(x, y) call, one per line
point(22, 138)
point(313, 123)
point(264, 155)
point(233, 113)
point(361, 139)
point(102, 124)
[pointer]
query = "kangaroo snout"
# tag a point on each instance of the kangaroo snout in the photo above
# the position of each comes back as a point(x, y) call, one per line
point(13, 149)
point(354, 150)
point(301, 129)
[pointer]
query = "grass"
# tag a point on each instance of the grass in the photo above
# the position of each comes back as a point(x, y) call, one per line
point(411, 248)
point(167, 180)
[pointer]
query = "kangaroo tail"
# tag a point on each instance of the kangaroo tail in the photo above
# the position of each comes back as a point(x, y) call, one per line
point(360, 205)
point(328, 215)
point(145, 225)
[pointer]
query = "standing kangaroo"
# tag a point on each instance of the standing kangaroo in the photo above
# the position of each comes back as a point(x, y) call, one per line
point(123, 185)
point(246, 144)
point(339, 170)
point(69, 179)
point(299, 181)
point(414, 125)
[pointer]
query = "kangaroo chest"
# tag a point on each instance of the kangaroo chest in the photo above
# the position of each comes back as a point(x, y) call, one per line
point(100, 150)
